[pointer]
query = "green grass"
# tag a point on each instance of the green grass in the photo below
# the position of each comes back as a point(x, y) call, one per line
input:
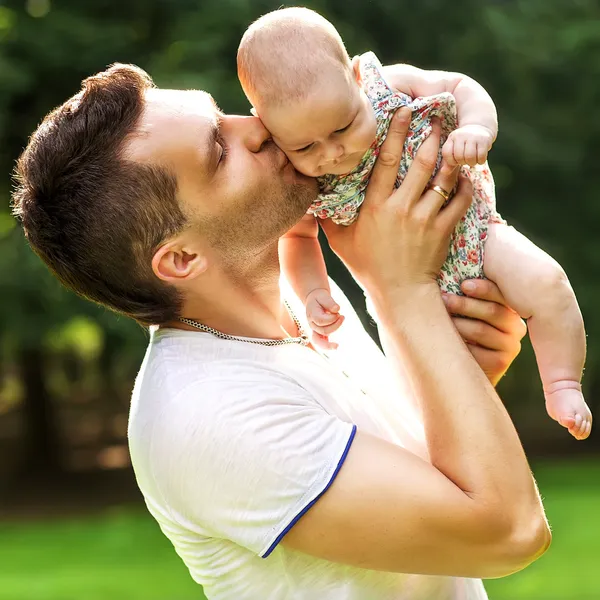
point(571, 493)
point(122, 555)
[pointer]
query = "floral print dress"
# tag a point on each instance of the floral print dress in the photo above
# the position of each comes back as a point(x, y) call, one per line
point(341, 195)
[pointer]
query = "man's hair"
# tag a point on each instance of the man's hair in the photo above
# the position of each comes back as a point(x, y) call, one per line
point(285, 53)
point(94, 217)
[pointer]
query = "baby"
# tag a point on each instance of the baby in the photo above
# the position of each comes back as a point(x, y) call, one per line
point(330, 115)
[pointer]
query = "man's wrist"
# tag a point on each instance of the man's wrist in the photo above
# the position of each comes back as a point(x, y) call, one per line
point(405, 301)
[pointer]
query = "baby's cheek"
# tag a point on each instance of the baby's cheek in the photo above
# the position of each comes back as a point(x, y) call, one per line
point(305, 165)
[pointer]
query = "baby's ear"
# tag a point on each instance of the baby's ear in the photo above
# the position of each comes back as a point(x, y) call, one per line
point(356, 69)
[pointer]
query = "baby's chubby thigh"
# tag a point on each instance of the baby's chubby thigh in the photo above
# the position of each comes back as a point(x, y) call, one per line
point(526, 275)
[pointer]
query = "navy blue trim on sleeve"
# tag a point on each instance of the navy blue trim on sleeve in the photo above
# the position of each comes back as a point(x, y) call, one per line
point(303, 511)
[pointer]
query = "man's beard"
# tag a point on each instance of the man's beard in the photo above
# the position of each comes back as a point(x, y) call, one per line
point(254, 224)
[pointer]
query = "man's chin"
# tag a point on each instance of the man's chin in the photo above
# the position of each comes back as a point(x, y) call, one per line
point(292, 176)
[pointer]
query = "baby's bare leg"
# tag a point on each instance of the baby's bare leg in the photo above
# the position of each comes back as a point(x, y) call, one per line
point(536, 286)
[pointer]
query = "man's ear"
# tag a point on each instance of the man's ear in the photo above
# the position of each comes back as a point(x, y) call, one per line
point(356, 70)
point(175, 262)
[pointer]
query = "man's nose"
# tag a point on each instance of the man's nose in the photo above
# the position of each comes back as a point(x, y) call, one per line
point(251, 131)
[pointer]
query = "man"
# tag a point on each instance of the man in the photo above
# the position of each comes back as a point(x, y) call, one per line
point(278, 472)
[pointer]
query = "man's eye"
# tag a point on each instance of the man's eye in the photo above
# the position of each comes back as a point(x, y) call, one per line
point(224, 153)
point(224, 149)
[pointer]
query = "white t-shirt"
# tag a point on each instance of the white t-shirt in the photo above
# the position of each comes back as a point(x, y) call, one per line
point(232, 442)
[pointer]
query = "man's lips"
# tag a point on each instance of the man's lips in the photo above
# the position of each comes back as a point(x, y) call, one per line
point(285, 161)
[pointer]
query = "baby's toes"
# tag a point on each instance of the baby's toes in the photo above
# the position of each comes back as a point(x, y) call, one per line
point(580, 429)
point(569, 422)
point(585, 429)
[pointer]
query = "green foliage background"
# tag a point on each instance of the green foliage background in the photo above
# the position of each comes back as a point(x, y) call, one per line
point(539, 60)
point(66, 366)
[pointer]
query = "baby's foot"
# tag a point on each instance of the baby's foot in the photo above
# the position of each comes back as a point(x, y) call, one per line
point(567, 406)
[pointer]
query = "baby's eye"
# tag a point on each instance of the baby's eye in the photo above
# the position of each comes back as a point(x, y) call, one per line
point(344, 128)
point(305, 149)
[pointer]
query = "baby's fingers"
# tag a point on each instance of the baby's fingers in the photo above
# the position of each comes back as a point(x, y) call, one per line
point(471, 153)
point(328, 303)
point(482, 153)
point(321, 341)
point(448, 152)
point(329, 328)
point(321, 317)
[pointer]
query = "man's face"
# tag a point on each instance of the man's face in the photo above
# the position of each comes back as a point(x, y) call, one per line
point(234, 185)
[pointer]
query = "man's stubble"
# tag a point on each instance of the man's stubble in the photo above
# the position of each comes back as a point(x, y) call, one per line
point(252, 226)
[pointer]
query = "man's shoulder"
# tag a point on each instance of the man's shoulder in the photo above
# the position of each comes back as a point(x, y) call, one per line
point(178, 368)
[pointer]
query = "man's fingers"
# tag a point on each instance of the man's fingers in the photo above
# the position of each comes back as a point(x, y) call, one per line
point(493, 313)
point(505, 318)
point(385, 171)
point(483, 289)
point(445, 178)
point(421, 169)
point(482, 334)
point(456, 209)
point(493, 363)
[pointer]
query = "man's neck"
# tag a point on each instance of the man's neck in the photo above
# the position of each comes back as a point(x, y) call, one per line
point(241, 300)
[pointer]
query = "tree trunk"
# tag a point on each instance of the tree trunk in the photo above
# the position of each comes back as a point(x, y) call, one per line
point(42, 440)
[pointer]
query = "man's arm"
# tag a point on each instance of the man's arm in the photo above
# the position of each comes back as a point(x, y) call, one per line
point(475, 510)
point(474, 105)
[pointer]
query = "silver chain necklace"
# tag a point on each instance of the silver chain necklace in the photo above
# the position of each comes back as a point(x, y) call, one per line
point(302, 339)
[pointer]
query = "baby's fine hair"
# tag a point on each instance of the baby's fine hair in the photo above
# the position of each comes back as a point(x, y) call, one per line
point(285, 53)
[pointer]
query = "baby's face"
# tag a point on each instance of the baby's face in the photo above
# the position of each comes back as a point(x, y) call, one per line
point(328, 132)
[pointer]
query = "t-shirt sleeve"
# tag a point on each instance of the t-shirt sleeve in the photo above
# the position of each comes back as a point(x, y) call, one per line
point(244, 461)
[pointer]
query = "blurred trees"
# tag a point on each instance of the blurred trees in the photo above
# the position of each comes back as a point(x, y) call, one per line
point(540, 61)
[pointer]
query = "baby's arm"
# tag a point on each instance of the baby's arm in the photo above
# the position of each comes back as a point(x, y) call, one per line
point(304, 267)
point(477, 116)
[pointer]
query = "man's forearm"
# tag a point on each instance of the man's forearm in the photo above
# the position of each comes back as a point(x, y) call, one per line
point(470, 436)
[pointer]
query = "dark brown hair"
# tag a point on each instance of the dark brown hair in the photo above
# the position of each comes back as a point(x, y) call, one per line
point(94, 217)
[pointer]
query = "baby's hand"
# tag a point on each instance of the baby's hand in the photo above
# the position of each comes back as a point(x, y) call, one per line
point(468, 145)
point(324, 317)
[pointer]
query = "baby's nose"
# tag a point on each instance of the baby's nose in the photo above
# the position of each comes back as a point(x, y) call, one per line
point(333, 153)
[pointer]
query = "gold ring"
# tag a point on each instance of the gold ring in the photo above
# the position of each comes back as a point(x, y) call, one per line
point(441, 191)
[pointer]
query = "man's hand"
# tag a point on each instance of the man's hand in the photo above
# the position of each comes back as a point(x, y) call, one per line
point(492, 331)
point(468, 145)
point(401, 237)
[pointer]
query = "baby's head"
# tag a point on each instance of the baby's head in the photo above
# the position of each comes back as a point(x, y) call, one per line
point(296, 72)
